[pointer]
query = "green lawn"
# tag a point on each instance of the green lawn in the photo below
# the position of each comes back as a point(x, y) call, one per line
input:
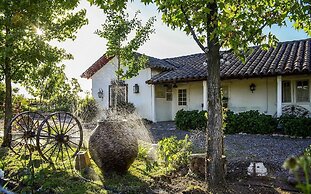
point(48, 180)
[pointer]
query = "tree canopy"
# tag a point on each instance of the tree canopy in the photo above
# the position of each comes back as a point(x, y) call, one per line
point(23, 46)
point(236, 23)
point(23, 49)
point(50, 85)
point(117, 30)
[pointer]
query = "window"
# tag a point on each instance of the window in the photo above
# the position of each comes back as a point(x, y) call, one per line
point(169, 95)
point(286, 91)
point(117, 93)
point(302, 91)
point(159, 91)
point(182, 97)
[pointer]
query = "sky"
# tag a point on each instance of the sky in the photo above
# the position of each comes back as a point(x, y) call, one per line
point(165, 42)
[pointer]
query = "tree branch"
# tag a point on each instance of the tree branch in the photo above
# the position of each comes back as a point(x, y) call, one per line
point(255, 32)
point(191, 29)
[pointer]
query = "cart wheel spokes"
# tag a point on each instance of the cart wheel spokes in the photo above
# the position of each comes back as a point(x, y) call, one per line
point(59, 137)
point(23, 130)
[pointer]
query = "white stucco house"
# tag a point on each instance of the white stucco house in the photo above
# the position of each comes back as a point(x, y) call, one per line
point(268, 81)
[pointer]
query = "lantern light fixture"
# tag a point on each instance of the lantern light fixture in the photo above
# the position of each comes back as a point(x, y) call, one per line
point(136, 89)
point(100, 93)
point(252, 87)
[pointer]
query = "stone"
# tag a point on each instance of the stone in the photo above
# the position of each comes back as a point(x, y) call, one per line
point(153, 152)
point(82, 161)
point(113, 146)
point(257, 169)
point(197, 164)
point(89, 173)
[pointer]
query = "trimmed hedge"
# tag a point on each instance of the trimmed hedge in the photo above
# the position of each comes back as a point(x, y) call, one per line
point(295, 126)
point(191, 120)
point(250, 122)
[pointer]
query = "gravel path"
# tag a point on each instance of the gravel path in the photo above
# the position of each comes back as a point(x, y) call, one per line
point(272, 150)
point(264, 147)
point(247, 147)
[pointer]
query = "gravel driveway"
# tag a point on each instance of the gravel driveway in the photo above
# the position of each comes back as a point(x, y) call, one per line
point(272, 150)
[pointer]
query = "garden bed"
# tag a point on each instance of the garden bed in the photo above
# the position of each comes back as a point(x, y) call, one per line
point(240, 151)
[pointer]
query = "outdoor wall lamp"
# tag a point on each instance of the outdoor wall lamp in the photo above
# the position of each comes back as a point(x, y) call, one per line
point(136, 88)
point(252, 87)
point(100, 93)
point(175, 85)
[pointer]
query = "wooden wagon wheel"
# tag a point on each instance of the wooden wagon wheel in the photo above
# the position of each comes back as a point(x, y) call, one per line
point(23, 129)
point(59, 137)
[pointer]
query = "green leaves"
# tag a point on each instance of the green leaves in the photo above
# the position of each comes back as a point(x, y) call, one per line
point(117, 30)
point(48, 83)
point(174, 153)
point(19, 41)
point(300, 167)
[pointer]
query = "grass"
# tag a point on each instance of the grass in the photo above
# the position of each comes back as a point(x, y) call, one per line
point(46, 179)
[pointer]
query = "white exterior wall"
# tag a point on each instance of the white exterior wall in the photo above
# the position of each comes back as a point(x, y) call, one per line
point(194, 97)
point(242, 99)
point(142, 100)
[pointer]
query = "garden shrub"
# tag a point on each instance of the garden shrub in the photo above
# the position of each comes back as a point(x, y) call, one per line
point(191, 120)
point(87, 109)
point(250, 122)
point(295, 126)
point(143, 155)
point(173, 152)
point(300, 167)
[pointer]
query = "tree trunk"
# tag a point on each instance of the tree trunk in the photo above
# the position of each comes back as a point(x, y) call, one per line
point(8, 78)
point(8, 104)
point(216, 174)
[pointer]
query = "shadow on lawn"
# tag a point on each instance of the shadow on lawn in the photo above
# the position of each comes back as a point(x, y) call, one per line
point(46, 179)
point(127, 183)
point(20, 178)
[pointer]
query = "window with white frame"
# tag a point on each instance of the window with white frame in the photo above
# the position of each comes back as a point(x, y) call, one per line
point(286, 91)
point(182, 97)
point(117, 93)
point(302, 91)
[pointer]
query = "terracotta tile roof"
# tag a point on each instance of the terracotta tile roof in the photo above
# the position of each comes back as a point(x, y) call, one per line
point(160, 64)
point(152, 63)
point(103, 60)
point(287, 58)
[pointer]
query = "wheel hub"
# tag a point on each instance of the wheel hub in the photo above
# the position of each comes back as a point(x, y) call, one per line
point(29, 134)
point(61, 138)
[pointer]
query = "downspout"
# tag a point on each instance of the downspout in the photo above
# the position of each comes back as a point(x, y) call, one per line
point(267, 95)
point(152, 102)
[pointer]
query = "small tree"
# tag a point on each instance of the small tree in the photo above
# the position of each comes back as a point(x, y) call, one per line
point(117, 30)
point(50, 84)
